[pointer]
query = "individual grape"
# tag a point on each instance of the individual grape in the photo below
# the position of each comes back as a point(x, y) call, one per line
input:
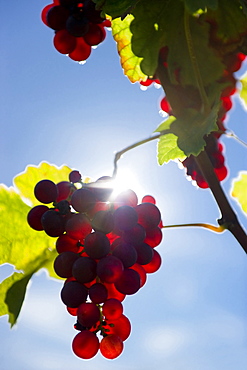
point(53, 223)
point(77, 26)
point(148, 199)
point(135, 235)
point(120, 327)
point(56, 17)
point(65, 190)
point(65, 243)
point(44, 13)
point(98, 293)
point(88, 314)
point(73, 294)
point(126, 198)
point(165, 106)
point(78, 226)
point(144, 253)
point(109, 269)
point(74, 176)
point(46, 191)
point(63, 264)
point(154, 264)
point(72, 311)
point(103, 221)
point(95, 34)
point(83, 200)
point(111, 346)
point(97, 245)
point(64, 42)
point(112, 309)
point(106, 23)
point(148, 215)
point(125, 218)
point(153, 237)
point(81, 52)
point(221, 173)
point(84, 269)
point(129, 282)
point(34, 217)
point(126, 253)
point(85, 344)
point(140, 269)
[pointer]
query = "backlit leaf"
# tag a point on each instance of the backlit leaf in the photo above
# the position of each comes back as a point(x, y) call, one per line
point(239, 190)
point(243, 91)
point(24, 248)
point(129, 61)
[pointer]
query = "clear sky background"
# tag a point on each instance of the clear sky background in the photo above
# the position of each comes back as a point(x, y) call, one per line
point(192, 313)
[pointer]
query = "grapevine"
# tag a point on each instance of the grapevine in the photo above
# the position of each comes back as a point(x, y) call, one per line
point(102, 243)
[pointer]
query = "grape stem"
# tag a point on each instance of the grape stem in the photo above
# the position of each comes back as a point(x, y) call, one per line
point(216, 229)
point(119, 154)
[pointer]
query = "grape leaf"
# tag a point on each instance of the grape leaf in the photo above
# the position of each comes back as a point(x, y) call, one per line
point(162, 23)
point(239, 190)
point(243, 91)
point(185, 134)
point(167, 148)
point(129, 62)
point(24, 248)
point(195, 5)
point(26, 181)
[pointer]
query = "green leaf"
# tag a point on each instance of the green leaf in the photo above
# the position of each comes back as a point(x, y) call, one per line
point(161, 23)
point(243, 91)
point(239, 190)
point(26, 181)
point(129, 61)
point(167, 148)
point(194, 5)
point(24, 248)
point(185, 135)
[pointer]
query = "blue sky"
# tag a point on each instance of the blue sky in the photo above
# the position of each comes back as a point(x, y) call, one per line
point(191, 314)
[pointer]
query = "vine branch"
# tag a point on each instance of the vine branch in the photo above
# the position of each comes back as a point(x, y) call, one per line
point(228, 217)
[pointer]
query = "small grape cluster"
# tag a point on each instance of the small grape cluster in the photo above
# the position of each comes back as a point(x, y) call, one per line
point(78, 27)
point(233, 62)
point(106, 247)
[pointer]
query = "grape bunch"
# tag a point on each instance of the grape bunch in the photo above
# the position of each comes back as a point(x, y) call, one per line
point(78, 27)
point(232, 62)
point(106, 247)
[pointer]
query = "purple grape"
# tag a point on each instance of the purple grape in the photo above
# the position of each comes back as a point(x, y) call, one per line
point(129, 282)
point(73, 294)
point(53, 223)
point(84, 269)
point(34, 217)
point(46, 191)
point(97, 245)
